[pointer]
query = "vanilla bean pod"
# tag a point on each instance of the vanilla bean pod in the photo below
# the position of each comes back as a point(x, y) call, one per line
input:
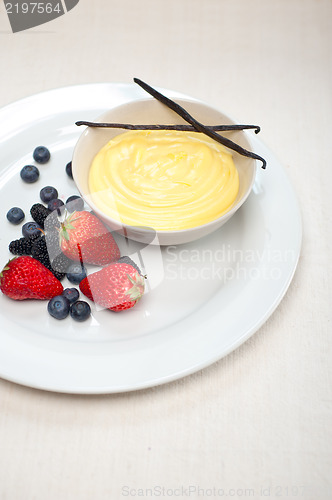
point(183, 128)
point(196, 124)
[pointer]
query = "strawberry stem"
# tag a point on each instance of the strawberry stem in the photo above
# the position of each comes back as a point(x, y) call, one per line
point(137, 290)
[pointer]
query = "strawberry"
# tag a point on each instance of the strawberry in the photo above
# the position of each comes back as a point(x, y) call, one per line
point(84, 237)
point(26, 278)
point(116, 287)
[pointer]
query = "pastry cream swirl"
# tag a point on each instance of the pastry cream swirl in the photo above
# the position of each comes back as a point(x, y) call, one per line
point(166, 180)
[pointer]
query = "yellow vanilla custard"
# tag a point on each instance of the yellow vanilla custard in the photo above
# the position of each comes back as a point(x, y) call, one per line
point(166, 180)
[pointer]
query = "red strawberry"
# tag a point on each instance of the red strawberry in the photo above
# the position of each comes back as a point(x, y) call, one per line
point(26, 278)
point(84, 237)
point(117, 287)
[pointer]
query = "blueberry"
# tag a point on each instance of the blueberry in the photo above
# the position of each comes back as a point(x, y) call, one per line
point(15, 215)
point(72, 294)
point(58, 307)
point(69, 170)
point(74, 203)
point(29, 174)
point(80, 310)
point(30, 229)
point(41, 154)
point(76, 273)
point(48, 193)
point(55, 204)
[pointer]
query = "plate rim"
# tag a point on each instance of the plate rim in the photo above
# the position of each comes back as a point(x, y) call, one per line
point(188, 371)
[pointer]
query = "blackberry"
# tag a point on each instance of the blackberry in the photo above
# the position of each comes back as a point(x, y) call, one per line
point(22, 246)
point(53, 243)
point(47, 250)
point(39, 251)
point(127, 260)
point(61, 263)
point(51, 222)
point(39, 213)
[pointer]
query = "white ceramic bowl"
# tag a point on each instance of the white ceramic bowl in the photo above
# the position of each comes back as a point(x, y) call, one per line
point(150, 111)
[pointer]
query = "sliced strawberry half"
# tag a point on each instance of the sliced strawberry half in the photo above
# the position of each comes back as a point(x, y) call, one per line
point(84, 237)
point(116, 287)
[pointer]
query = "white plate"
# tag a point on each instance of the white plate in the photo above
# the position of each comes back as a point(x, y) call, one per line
point(205, 298)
